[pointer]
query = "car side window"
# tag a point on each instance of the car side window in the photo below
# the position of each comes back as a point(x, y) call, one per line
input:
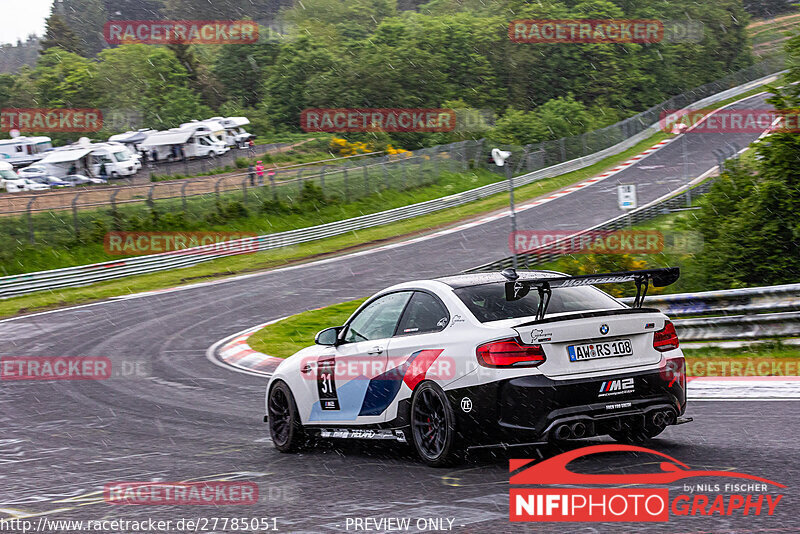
point(378, 319)
point(424, 314)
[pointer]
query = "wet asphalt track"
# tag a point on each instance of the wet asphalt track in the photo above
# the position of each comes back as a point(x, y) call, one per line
point(189, 419)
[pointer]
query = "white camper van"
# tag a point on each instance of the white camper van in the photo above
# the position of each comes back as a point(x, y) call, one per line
point(21, 151)
point(177, 143)
point(89, 158)
point(235, 134)
point(213, 128)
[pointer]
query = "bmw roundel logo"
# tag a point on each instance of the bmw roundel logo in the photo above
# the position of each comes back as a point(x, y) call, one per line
point(466, 404)
point(604, 329)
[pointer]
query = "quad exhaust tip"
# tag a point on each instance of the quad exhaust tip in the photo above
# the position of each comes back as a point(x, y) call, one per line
point(663, 418)
point(563, 432)
point(578, 430)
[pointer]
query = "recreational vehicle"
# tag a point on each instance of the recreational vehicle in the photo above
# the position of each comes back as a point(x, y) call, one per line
point(21, 151)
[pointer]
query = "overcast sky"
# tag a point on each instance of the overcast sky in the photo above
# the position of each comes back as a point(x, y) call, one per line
point(22, 17)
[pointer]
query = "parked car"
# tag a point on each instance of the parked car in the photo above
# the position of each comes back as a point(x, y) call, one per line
point(80, 179)
point(52, 181)
point(23, 184)
point(33, 171)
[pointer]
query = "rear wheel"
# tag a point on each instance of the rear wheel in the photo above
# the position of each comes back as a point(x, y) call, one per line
point(284, 420)
point(433, 426)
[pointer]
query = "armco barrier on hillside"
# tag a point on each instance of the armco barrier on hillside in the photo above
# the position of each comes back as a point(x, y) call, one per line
point(87, 274)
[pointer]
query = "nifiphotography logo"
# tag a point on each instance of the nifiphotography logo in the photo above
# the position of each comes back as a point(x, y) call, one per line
point(621, 501)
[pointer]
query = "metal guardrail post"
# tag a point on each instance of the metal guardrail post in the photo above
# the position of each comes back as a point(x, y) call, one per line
point(322, 178)
point(216, 189)
point(244, 191)
point(366, 180)
point(385, 175)
point(150, 202)
point(344, 179)
point(117, 223)
point(75, 215)
point(273, 187)
point(183, 195)
point(31, 238)
point(300, 181)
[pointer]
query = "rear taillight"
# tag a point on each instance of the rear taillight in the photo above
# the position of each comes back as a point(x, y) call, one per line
point(666, 338)
point(509, 353)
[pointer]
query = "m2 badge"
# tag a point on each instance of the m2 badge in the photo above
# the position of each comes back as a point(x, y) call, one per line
point(326, 384)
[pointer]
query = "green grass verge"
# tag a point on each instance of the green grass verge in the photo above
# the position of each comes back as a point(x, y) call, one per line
point(284, 338)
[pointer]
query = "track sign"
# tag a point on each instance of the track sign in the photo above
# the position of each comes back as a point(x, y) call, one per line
point(626, 196)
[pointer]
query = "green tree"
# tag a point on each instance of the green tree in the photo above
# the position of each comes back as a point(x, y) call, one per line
point(64, 79)
point(59, 34)
point(751, 218)
point(155, 83)
point(244, 68)
point(87, 18)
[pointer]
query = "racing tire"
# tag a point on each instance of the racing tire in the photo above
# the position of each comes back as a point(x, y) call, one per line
point(433, 427)
point(283, 418)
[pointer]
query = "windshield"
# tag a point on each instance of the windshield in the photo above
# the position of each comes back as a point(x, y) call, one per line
point(8, 175)
point(121, 156)
point(488, 302)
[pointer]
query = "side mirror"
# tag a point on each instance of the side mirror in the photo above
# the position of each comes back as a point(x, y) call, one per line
point(329, 336)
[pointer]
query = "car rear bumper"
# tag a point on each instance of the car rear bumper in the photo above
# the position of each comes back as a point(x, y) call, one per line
point(535, 408)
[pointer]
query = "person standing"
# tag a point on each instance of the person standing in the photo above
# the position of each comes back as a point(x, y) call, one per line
point(260, 172)
point(251, 171)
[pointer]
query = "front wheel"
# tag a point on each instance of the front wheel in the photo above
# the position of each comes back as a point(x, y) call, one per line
point(433, 426)
point(284, 420)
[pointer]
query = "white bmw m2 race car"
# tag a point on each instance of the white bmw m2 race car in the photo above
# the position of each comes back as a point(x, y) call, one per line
point(488, 359)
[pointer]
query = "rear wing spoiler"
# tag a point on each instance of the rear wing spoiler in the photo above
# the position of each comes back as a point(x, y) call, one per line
point(517, 288)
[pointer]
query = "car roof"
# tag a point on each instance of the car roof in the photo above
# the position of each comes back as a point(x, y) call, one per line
point(473, 279)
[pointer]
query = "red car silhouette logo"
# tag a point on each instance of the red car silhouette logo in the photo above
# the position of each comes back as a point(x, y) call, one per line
point(554, 470)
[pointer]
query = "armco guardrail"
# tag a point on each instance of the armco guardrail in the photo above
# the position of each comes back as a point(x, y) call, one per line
point(747, 313)
point(89, 274)
point(750, 300)
point(769, 325)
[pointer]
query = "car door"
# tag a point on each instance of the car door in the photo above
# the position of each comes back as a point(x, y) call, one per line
point(348, 381)
point(418, 349)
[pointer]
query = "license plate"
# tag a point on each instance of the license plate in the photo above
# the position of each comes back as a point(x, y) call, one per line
point(604, 349)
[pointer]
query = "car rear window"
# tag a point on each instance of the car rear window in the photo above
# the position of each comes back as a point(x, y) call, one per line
point(488, 302)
